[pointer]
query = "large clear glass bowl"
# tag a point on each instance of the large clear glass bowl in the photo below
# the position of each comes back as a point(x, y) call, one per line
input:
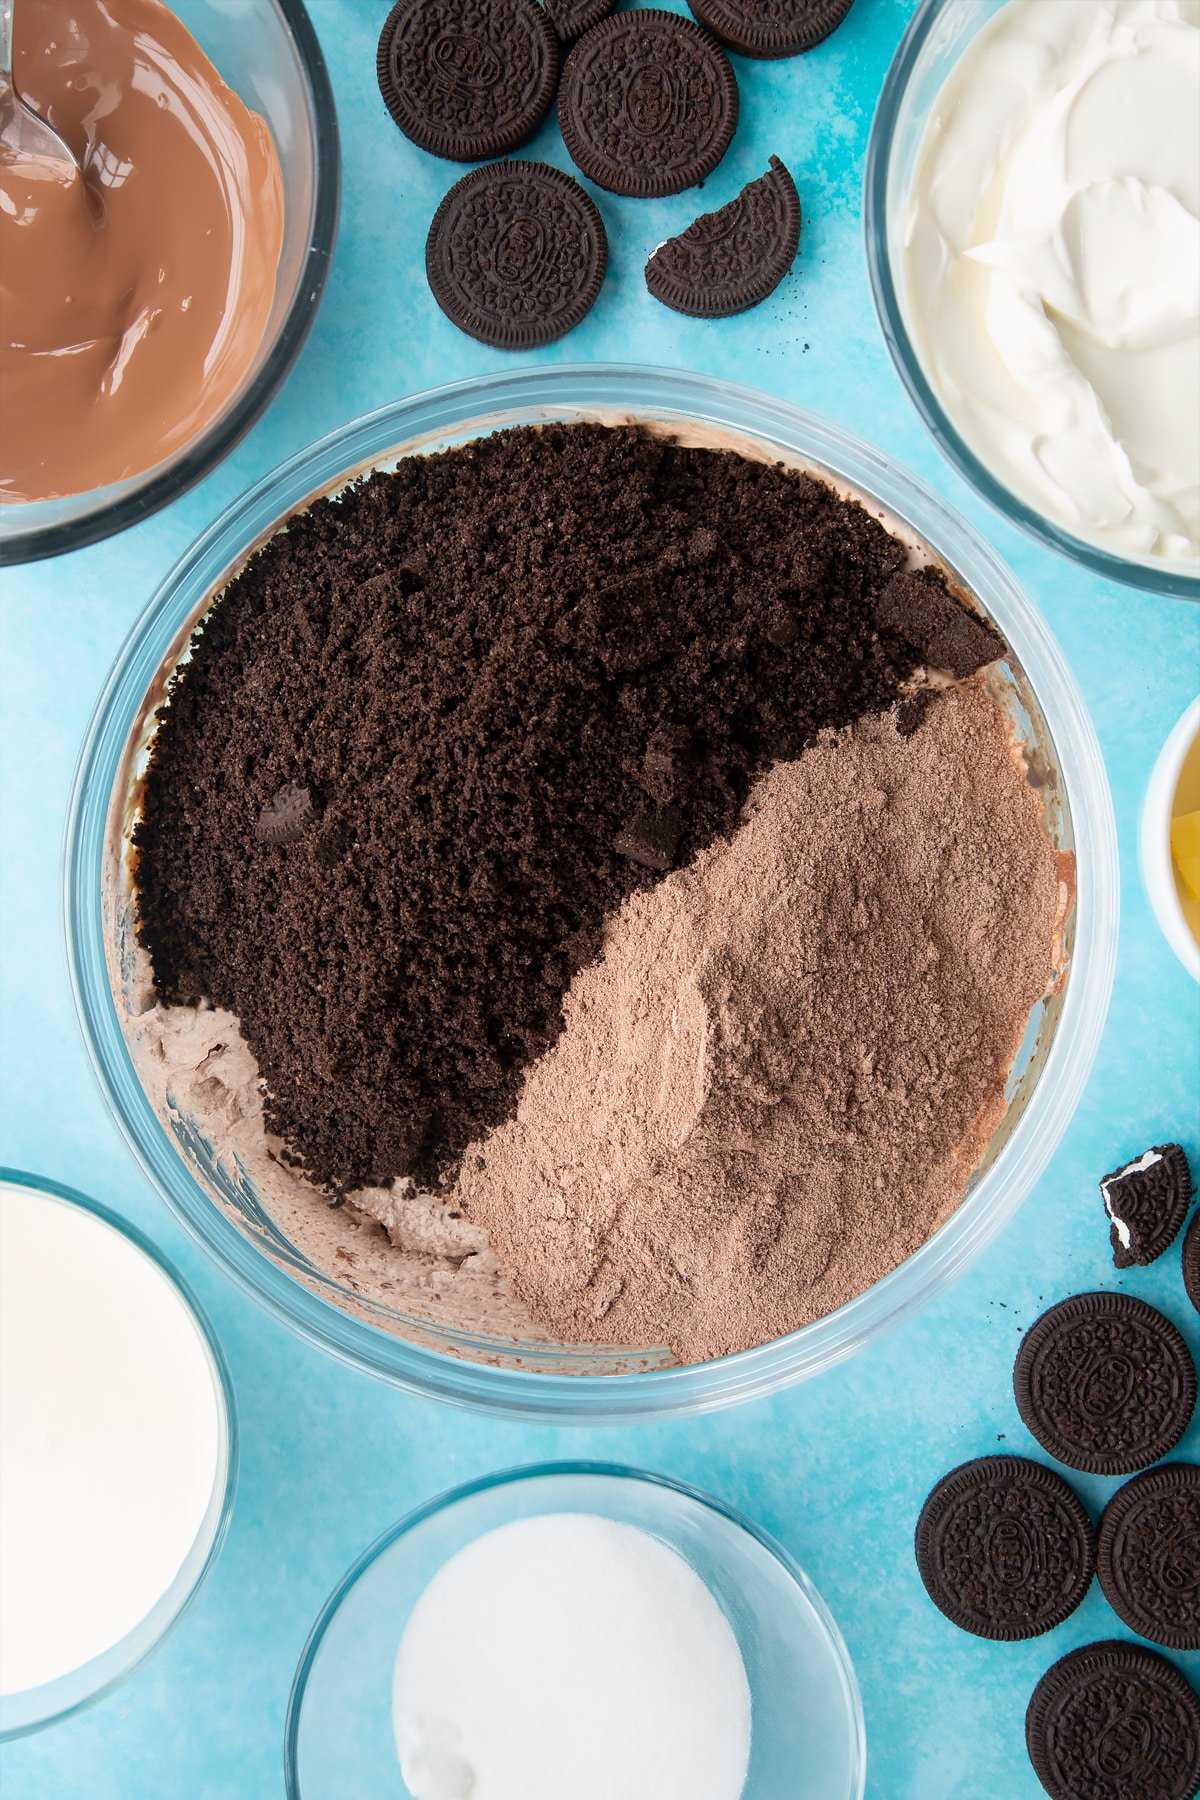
point(268, 53)
point(32, 1708)
point(213, 1193)
point(806, 1708)
point(938, 33)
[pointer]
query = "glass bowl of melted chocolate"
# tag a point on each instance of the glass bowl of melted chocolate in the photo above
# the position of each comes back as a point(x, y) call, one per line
point(592, 893)
point(155, 292)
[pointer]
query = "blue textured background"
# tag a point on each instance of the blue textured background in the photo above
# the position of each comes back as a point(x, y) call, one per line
point(836, 1469)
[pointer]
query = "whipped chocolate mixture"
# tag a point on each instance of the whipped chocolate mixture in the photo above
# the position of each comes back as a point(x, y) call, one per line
point(439, 729)
point(133, 299)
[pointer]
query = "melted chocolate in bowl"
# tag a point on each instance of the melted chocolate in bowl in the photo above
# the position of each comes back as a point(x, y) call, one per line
point(135, 299)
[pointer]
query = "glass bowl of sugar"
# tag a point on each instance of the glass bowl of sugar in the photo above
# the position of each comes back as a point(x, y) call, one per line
point(570, 1632)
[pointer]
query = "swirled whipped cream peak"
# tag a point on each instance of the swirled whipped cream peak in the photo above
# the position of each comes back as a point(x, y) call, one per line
point(1050, 264)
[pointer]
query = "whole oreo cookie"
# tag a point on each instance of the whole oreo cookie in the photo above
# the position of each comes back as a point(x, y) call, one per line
point(1114, 1721)
point(467, 79)
point(1005, 1548)
point(1191, 1261)
point(769, 28)
point(1105, 1383)
point(516, 254)
point(571, 18)
point(647, 104)
point(1149, 1555)
point(1147, 1202)
point(729, 260)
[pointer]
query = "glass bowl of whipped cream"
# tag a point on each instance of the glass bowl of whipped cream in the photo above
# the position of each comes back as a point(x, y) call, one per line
point(154, 302)
point(1032, 217)
point(366, 1294)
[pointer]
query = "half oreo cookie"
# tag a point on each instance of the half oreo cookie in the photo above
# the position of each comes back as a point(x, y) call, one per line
point(1115, 1721)
point(647, 104)
point(1005, 1548)
point(771, 28)
point(516, 254)
point(467, 82)
point(1149, 1555)
point(729, 260)
point(1147, 1202)
point(1105, 1383)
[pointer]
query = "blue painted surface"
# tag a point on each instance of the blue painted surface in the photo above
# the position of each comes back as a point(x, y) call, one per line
point(836, 1469)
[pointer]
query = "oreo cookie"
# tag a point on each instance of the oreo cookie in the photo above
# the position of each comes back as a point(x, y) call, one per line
point(1191, 1262)
point(1147, 1202)
point(467, 79)
point(647, 104)
point(1105, 1383)
point(730, 260)
point(771, 28)
point(1148, 1556)
point(1005, 1548)
point(516, 254)
point(571, 18)
point(1115, 1721)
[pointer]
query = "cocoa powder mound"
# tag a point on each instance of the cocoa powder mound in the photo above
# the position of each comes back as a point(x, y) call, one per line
point(777, 1080)
point(438, 729)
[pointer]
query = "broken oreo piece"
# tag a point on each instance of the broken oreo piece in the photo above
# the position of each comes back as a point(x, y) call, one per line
point(651, 838)
point(571, 18)
point(1191, 1262)
point(918, 607)
point(1147, 1202)
point(286, 816)
point(631, 624)
point(516, 254)
point(1148, 1555)
point(1115, 1721)
point(1005, 1548)
point(912, 709)
point(771, 28)
point(1105, 1383)
point(783, 628)
point(470, 83)
point(669, 763)
point(647, 104)
point(730, 260)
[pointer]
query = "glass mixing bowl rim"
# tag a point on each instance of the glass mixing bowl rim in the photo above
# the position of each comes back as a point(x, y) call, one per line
point(587, 390)
point(529, 1474)
point(1167, 578)
point(228, 1439)
point(34, 543)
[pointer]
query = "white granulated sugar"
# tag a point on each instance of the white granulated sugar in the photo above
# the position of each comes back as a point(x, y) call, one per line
point(569, 1657)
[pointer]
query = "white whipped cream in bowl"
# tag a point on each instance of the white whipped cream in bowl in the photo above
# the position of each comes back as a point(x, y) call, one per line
point(1033, 223)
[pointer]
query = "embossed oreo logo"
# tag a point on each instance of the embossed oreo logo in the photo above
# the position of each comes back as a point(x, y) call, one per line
point(1010, 1553)
point(1176, 1565)
point(654, 100)
point(1126, 1746)
point(463, 61)
point(1104, 1384)
point(521, 251)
